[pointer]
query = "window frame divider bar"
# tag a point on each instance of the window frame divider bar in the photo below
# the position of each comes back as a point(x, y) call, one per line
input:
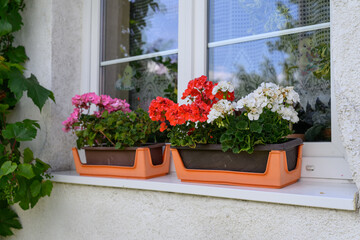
point(140, 57)
point(269, 35)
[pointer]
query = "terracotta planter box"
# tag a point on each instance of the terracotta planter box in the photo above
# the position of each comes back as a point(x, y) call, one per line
point(133, 162)
point(271, 165)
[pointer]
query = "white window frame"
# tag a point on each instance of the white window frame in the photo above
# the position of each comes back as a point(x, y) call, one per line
point(320, 159)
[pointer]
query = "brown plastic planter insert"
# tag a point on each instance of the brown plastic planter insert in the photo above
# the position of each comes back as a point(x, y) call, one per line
point(271, 165)
point(135, 162)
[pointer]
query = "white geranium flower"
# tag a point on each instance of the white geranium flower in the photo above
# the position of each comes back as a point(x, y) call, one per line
point(223, 87)
point(272, 97)
point(220, 110)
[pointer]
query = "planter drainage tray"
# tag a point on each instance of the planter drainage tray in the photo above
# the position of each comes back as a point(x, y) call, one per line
point(133, 162)
point(271, 165)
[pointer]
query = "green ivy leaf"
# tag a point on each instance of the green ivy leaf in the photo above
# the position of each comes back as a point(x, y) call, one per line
point(3, 3)
point(15, 20)
point(3, 108)
point(5, 27)
point(17, 82)
point(17, 54)
point(26, 170)
point(8, 220)
point(46, 188)
point(30, 123)
point(19, 132)
point(28, 155)
point(38, 93)
point(35, 188)
point(44, 166)
point(24, 203)
point(7, 167)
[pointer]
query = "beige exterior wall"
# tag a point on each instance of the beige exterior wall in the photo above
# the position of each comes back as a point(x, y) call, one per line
point(85, 212)
point(52, 37)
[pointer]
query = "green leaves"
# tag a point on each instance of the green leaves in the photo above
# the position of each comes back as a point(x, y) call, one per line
point(18, 84)
point(255, 127)
point(38, 93)
point(35, 188)
point(20, 131)
point(10, 18)
point(26, 170)
point(16, 54)
point(5, 27)
point(242, 125)
point(46, 188)
point(243, 134)
point(7, 168)
point(28, 155)
point(116, 129)
point(23, 178)
point(8, 220)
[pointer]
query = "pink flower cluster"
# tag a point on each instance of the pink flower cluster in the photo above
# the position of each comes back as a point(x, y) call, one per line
point(84, 102)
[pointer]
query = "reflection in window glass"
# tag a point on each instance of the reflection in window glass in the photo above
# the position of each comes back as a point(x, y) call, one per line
point(135, 28)
point(139, 82)
point(301, 60)
point(239, 18)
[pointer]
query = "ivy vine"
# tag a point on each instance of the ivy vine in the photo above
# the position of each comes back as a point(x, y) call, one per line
point(23, 177)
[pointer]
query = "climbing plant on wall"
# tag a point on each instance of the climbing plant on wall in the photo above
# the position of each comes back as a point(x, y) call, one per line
point(23, 177)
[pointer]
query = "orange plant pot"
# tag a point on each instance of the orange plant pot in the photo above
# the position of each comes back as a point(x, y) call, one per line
point(143, 167)
point(276, 174)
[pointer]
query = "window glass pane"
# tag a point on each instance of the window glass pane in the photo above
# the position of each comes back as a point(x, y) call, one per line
point(136, 27)
point(139, 82)
point(239, 18)
point(301, 60)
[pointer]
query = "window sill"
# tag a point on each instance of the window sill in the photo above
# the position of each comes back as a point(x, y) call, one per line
point(306, 192)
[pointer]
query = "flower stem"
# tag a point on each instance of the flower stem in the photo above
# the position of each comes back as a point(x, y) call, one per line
point(107, 137)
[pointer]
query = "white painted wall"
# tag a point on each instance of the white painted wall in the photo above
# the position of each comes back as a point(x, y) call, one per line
point(52, 37)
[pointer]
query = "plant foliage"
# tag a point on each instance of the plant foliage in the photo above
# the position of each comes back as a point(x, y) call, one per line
point(112, 124)
point(23, 177)
point(118, 129)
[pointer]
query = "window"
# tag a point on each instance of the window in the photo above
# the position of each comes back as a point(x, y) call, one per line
point(244, 41)
point(284, 42)
point(139, 50)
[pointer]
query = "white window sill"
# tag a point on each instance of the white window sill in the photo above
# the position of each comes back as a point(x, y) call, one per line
point(306, 192)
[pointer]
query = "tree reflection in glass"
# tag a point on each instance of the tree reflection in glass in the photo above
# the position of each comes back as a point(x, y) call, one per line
point(301, 60)
point(135, 28)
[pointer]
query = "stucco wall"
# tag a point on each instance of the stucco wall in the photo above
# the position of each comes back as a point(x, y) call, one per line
point(85, 212)
point(77, 212)
point(345, 33)
point(52, 39)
